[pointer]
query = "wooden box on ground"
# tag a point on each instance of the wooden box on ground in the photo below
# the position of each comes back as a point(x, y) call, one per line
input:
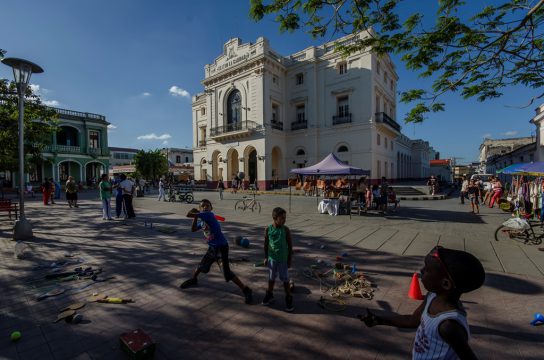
point(137, 344)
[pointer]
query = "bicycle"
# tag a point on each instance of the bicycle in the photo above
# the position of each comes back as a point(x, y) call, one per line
point(246, 203)
point(526, 235)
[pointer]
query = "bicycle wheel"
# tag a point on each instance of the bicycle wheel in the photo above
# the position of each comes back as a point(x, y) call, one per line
point(504, 233)
point(189, 198)
point(256, 206)
point(538, 231)
point(240, 205)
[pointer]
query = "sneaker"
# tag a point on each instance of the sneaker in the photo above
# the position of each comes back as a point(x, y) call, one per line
point(189, 283)
point(268, 298)
point(289, 303)
point(248, 294)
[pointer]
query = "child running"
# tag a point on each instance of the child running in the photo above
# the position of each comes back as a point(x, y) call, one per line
point(278, 252)
point(441, 321)
point(218, 248)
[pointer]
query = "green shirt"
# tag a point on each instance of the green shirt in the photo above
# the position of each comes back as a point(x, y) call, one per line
point(277, 244)
point(105, 190)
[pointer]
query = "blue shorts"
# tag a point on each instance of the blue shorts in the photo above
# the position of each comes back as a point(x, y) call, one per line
point(276, 268)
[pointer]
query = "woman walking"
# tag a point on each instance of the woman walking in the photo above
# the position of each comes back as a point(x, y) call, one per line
point(497, 192)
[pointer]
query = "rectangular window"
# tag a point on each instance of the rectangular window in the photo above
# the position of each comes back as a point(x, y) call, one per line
point(275, 113)
point(186, 159)
point(391, 173)
point(301, 113)
point(342, 68)
point(203, 111)
point(379, 139)
point(385, 169)
point(385, 142)
point(300, 79)
point(178, 159)
point(275, 80)
point(379, 168)
point(391, 85)
point(343, 106)
point(521, 159)
point(385, 77)
point(378, 68)
point(94, 139)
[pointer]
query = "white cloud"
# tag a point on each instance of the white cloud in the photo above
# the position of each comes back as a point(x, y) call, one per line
point(153, 136)
point(510, 133)
point(486, 136)
point(53, 103)
point(111, 128)
point(165, 142)
point(145, 94)
point(177, 91)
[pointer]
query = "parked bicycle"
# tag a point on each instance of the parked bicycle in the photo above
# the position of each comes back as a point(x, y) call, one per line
point(247, 203)
point(522, 230)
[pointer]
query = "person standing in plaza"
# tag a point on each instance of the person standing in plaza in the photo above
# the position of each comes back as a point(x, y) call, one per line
point(220, 188)
point(46, 191)
point(474, 196)
point(234, 184)
point(218, 248)
point(127, 188)
point(278, 254)
point(71, 192)
point(441, 320)
point(119, 208)
point(384, 189)
point(464, 189)
point(497, 192)
point(104, 187)
point(52, 190)
point(161, 191)
point(361, 192)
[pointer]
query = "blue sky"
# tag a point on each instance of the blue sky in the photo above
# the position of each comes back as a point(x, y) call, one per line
point(138, 62)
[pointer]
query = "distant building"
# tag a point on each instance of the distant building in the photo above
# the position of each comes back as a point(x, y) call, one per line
point(263, 114)
point(493, 148)
point(122, 156)
point(177, 156)
point(442, 169)
point(538, 121)
point(522, 154)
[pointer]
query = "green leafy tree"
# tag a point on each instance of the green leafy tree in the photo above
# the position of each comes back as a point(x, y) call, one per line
point(151, 164)
point(475, 53)
point(40, 123)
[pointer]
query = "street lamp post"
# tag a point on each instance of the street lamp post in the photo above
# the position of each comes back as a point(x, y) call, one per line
point(22, 70)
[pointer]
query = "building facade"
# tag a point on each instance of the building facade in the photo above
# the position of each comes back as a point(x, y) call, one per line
point(79, 148)
point(263, 114)
point(122, 156)
point(490, 149)
point(177, 156)
point(538, 120)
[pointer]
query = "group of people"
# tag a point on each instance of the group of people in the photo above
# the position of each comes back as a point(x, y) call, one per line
point(376, 197)
point(124, 192)
point(440, 320)
point(477, 192)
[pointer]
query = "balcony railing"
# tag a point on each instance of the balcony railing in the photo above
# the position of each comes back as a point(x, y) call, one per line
point(297, 125)
point(278, 125)
point(78, 115)
point(383, 118)
point(63, 149)
point(97, 151)
point(242, 126)
point(341, 119)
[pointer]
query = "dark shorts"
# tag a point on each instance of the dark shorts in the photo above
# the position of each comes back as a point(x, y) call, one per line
point(213, 255)
point(71, 196)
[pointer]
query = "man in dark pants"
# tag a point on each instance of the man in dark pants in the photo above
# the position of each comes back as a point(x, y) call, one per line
point(127, 186)
point(464, 189)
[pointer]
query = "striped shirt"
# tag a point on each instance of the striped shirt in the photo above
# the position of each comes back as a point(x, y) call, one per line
point(428, 343)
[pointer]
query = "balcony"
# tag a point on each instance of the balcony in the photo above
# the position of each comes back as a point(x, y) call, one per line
point(235, 130)
point(341, 119)
point(66, 149)
point(383, 118)
point(299, 124)
point(278, 125)
point(97, 152)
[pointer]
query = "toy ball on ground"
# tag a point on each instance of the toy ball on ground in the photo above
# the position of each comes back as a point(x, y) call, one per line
point(238, 240)
point(244, 243)
point(15, 336)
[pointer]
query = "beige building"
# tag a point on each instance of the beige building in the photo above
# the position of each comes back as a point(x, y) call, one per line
point(538, 121)
point(262, 113)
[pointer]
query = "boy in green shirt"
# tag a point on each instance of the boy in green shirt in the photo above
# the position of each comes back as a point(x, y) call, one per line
point(278, 252)
point(105, 196)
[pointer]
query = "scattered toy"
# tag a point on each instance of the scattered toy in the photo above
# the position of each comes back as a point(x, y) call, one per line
point(64, 315)
point(137, 344)
point(15, 336)
point(415, 290)
point(53, 292)
point(538, 320)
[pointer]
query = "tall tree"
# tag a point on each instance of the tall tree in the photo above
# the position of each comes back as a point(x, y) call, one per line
point(151, 164)
point(40, 123)
point(476, 53)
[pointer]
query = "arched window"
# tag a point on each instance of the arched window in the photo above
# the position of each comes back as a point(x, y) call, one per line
point(234, 105)
point(300, 152)
point(343, 148)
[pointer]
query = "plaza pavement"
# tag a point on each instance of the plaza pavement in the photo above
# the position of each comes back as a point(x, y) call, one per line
point(211, 320)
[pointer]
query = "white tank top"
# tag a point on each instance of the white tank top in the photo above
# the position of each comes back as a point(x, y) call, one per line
point(428, 343)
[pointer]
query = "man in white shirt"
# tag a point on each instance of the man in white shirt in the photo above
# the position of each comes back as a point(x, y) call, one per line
point(161, 190)
point(127, 186)
point(464, 189)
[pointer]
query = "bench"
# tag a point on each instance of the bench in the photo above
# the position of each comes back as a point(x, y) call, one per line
point(9, 207)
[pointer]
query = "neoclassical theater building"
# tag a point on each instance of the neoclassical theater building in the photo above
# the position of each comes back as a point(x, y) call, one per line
point(263, 114)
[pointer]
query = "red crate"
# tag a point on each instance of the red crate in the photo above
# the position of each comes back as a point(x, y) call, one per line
point(137, 344)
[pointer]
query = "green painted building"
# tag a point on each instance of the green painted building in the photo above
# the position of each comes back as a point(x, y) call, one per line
point(79, 148)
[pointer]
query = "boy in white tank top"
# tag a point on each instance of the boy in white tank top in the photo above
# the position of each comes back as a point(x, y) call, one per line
point(442, 327)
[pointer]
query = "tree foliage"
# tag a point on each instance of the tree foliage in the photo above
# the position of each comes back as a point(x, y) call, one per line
point(476, 54)
point(40, 122)
point(150, 164)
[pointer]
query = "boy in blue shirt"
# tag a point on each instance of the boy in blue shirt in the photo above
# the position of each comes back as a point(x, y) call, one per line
point(278, 252)
point(218, 248)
